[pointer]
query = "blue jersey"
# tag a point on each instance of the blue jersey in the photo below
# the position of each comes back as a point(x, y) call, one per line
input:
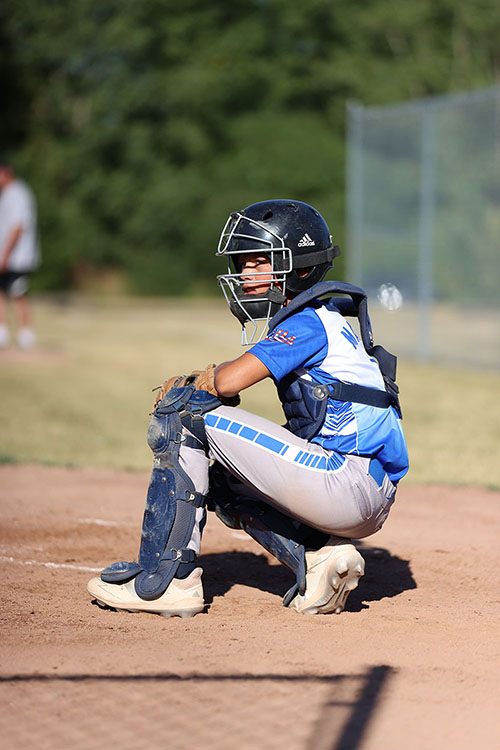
point(319, 344)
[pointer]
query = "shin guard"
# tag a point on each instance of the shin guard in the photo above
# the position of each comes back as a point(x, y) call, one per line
point(171, 502)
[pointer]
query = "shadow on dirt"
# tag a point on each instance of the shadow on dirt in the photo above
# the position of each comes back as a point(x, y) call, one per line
point(385, 576)
point(340, 721)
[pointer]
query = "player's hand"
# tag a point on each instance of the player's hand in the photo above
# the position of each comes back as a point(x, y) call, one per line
point(202, 380)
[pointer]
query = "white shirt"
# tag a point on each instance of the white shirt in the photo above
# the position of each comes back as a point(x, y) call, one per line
point(17, 207)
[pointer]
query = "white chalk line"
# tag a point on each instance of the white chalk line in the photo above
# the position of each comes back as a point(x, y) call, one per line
point(4, 558)
point(67, 566)
point(85, 568)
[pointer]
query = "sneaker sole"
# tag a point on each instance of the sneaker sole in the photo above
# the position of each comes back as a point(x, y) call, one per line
point(341, 578)
point(184, 613)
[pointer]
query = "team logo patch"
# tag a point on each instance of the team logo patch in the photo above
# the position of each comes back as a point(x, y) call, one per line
point(282, 336)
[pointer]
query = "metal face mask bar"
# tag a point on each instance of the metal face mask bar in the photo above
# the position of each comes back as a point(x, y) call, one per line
point(259, 307)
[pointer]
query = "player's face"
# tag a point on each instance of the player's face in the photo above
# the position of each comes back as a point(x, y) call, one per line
point(256, 272)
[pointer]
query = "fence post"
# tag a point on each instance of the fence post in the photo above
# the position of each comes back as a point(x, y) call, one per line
point(427, 208)
point(354, 182)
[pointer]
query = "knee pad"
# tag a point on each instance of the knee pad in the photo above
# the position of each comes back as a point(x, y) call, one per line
point(190, 405)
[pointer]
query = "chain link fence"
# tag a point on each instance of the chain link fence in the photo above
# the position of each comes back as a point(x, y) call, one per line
point(423, 220)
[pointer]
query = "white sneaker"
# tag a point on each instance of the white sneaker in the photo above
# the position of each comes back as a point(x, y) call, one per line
point(332, 573)
point(4, 336)
point(26, 338)
point(183, 597)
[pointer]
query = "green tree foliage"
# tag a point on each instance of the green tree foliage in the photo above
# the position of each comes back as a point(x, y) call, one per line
point(140, 125)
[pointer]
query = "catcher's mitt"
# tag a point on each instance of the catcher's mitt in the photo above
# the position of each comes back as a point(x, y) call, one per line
point(202, 380)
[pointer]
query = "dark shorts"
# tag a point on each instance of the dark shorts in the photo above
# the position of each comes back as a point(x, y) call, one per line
point(14, 284)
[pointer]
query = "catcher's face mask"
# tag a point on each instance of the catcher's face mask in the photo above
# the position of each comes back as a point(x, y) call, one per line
point(297, 241)
point(245, 242)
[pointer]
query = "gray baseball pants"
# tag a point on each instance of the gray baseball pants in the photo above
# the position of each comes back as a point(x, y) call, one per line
point(348, 496)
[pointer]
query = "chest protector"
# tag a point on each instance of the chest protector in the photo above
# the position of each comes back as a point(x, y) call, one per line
point(305, 402)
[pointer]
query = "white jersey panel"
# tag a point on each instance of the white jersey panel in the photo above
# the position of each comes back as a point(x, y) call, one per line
point(346, 359)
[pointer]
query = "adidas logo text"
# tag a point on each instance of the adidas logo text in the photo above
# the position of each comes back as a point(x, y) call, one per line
point(306, 241)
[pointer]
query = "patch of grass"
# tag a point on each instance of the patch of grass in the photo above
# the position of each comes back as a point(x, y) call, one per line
point(4, 459)
point(83, 397)
point(452, 424)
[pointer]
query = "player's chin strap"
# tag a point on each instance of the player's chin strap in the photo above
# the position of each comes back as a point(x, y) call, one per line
point(285, 538)
point(172, 501)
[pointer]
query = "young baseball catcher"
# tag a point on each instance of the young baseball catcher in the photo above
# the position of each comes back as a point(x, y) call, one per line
point(303, 491)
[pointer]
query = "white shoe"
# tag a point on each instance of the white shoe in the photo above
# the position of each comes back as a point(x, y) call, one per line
point(26, 338)
point(183, 597)
point(4, 336)
point(332, 572)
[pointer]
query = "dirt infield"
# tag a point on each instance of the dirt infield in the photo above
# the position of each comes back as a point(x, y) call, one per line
point(412, 663)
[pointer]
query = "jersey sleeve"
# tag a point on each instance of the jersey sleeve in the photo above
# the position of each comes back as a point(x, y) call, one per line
point(300, 341)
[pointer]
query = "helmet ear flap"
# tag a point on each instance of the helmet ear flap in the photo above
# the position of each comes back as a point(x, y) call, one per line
point(297, 284)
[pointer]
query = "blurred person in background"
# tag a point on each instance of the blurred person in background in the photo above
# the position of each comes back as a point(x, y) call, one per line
point(19, 253)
